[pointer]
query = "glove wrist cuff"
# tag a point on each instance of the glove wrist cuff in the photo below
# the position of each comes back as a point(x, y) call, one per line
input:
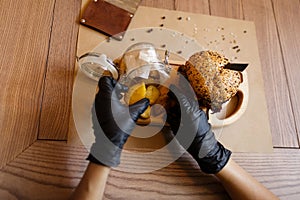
point(105, 156)
point(215, 161)
point(92, 159)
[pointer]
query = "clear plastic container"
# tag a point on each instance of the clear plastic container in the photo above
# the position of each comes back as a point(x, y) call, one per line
point(94, 64)
point(142, 63)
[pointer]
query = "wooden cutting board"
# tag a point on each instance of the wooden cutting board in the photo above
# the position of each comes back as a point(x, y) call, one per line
point(234, 38)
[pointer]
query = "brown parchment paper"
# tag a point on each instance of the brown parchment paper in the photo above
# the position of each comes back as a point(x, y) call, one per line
point(234, 38)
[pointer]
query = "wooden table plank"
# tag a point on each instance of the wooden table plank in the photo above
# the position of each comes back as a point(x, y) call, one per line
point(165, 4)
point(53, 169)
point(57, 97)
point(275, 81)
point(25, 30)
point(195, 6)
point(279, 172)
point(287, 14)
point(229, 8)
point(44, 171)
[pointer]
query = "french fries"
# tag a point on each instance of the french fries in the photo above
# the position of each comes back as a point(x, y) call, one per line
point(135, 93)
point(152, 93)
point(140, 91)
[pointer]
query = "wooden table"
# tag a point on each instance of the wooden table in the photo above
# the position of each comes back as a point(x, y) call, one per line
point(38, 44)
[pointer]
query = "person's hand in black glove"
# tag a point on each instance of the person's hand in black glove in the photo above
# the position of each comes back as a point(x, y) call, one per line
point(186, 117)
point(113, 122)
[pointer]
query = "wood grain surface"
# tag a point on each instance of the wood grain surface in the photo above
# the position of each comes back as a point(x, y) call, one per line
point(37, 43)
point(165, 4)
point(53, 169)
point(43, 171)
point(24, 41)
point(286, 13)
point(230, 8)
point(275, 80)
point(58, 87)
point(195, 6)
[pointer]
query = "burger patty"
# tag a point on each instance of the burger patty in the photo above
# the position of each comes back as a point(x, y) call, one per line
point(212, 84)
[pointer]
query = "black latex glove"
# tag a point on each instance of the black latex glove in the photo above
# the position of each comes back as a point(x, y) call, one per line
point(113, 122)
point(185, 115)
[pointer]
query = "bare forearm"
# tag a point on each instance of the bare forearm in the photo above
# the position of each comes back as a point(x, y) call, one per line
point(241, 185)
point(93, 183)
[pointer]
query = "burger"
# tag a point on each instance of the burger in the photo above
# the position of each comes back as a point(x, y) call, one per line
point(212, 82)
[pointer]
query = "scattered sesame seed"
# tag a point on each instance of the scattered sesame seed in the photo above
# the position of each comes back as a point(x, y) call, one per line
point(150, 30)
